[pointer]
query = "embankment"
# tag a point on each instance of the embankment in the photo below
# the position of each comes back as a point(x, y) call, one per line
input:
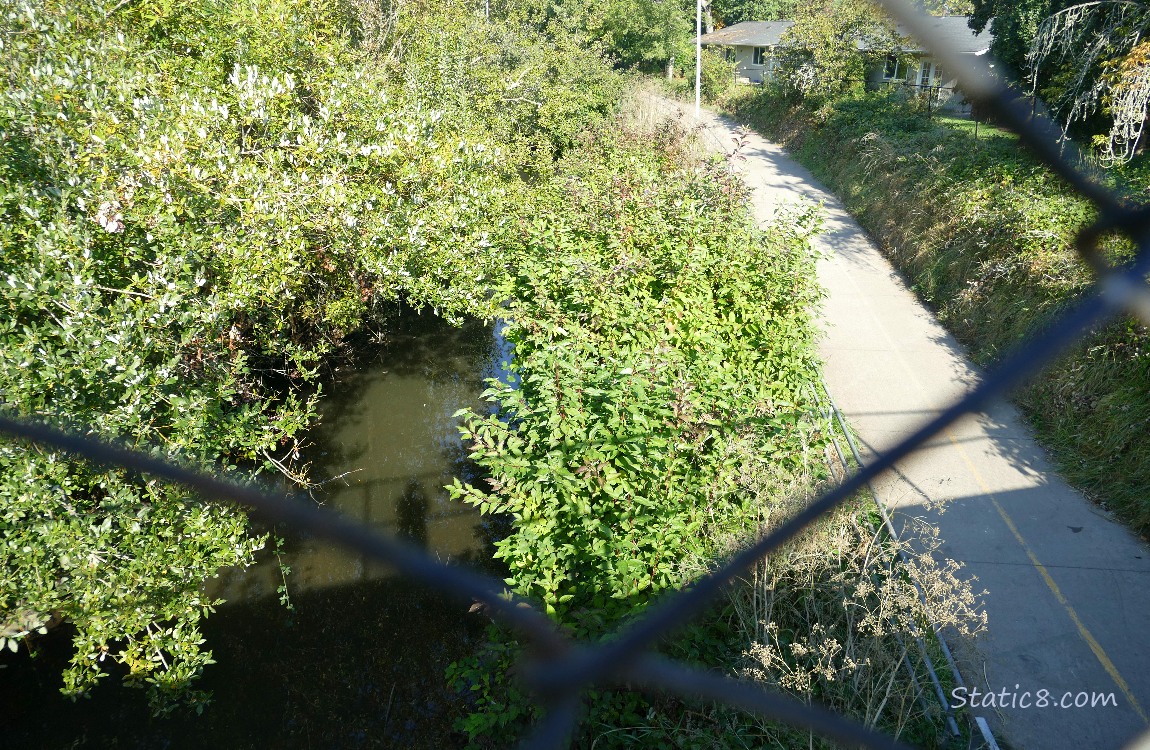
point(985, 234)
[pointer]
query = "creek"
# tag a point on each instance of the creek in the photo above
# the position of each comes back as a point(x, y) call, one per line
point(386, 446)
point(358, 660)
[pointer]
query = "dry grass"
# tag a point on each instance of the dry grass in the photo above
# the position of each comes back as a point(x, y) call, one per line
point(832, 617)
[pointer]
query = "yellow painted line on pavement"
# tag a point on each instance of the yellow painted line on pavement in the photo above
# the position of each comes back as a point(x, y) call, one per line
point(1091, 641)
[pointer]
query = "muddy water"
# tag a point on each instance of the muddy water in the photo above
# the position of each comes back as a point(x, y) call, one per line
point(386, 446)
point(359, 660)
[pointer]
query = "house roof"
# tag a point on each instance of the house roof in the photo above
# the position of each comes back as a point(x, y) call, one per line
point(954, 29)
point(956, 32)
point(749, 33)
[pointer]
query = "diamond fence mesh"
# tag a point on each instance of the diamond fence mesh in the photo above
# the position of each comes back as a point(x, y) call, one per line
point(559, 669)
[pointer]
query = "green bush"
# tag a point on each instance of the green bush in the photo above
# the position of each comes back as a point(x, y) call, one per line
point(718, 75)
point(200, 200)
point(663, 356)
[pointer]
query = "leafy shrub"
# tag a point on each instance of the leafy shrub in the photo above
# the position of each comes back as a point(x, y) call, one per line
point(663, 355)
point(200, 200)
point(718, 75)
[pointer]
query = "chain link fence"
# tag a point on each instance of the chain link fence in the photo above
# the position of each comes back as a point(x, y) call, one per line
point(560, 670)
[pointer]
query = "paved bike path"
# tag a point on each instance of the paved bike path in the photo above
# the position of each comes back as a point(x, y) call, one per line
point(1068, 589)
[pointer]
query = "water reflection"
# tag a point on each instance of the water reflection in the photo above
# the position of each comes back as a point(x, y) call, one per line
point(411, 514)
point(385, 447)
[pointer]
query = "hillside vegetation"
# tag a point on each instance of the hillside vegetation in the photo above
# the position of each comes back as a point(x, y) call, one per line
point(984, 234)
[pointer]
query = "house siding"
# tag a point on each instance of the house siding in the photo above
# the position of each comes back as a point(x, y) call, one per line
point(946, 98)
point(745, 69)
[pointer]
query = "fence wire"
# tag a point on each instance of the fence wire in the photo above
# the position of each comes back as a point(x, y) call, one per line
point(559, 669)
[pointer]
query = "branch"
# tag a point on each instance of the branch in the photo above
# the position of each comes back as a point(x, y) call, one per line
point(118, 6)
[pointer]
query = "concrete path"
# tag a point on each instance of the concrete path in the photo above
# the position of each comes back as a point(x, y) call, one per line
point(1068, 589)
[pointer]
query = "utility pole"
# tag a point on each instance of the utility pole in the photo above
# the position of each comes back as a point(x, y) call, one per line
point(698, 52)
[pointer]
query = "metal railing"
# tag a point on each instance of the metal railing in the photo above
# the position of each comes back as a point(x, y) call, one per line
point(559, 669)
point(936, 97)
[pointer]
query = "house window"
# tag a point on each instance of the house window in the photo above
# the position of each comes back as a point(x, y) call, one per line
point(729, 54)
point(929, 74)
point(761, 56)
point(890, 72)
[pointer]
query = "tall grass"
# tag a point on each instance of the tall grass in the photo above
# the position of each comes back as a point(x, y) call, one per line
point(832, 618)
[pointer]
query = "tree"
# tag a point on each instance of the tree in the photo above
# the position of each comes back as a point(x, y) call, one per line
point(1088, 61)
point(948, 7)
point(1013, 26)
point(642, 33)
point(1094, 58)
point(728, 12)
point(826, 52)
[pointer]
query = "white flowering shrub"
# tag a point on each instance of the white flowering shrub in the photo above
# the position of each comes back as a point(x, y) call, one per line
point(195, 196)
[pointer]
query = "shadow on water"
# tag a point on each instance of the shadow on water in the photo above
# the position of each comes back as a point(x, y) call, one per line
point(360, 660)
point(386, 446)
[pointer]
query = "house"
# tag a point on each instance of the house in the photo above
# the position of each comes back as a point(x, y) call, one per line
point(923, 76)
point(751, 46)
